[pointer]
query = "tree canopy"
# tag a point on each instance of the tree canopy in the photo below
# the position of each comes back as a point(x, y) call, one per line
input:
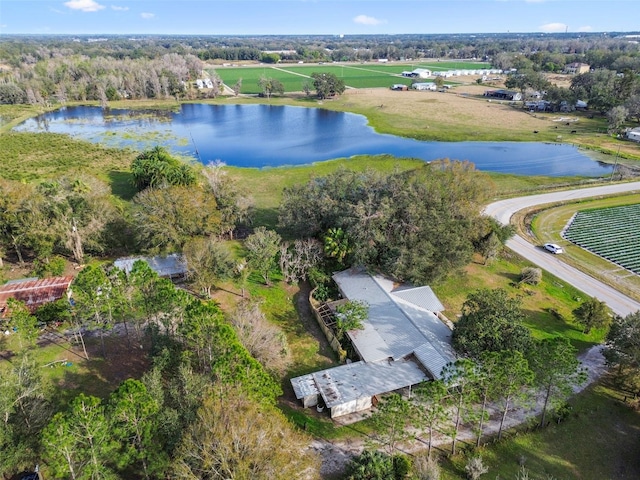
point(327, 84)
point(417, 226)
point(491, 321)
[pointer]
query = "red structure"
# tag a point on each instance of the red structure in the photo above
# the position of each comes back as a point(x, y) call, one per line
point(34, 292)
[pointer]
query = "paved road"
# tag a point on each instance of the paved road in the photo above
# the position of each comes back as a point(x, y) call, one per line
point(504, 210)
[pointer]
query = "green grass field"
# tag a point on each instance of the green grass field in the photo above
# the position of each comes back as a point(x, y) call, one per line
point(369, 75)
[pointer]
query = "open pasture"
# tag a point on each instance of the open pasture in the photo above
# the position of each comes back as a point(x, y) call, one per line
point(611, 233)
point(354, 75)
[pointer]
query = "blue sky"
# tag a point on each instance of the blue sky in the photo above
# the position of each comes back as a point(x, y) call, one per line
point(270, 17)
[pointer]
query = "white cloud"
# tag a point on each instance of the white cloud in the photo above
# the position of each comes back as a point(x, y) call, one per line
point(585, 28)
point(367, 20)
point(147, 15)
point(553, 27)
point(84, 5)
point(119, 9)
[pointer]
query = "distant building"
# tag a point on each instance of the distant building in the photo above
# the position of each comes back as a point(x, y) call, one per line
point(425, 86)
point(504, 94)
point(634, 134)
point(577, 68)
point(34, 292)
point(399, 86)
point(417, 73)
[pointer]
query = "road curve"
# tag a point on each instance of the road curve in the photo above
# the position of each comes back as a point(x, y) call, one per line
point(503, 210)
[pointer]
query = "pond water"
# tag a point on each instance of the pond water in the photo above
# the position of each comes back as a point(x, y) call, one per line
point(270, 136)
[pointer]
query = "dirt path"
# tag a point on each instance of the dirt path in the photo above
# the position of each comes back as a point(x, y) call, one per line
point(336, 454)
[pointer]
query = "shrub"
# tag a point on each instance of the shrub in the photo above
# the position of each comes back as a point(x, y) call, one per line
point(54, 268)
point(426, 468)
point(401, 466)
point(531, 275)
point(475, 468)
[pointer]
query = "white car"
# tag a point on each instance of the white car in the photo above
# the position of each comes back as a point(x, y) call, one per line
point(553, 248)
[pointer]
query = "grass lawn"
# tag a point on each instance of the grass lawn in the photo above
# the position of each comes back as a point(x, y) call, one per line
point(599, 440)
point(547, 306)
point(64, 367)
point(354, 75)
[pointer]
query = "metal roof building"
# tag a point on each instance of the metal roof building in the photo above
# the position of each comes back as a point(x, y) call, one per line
point(34, 292)
point(399, 321)
point(171, 266)
point(351, 387)
point(402, 343)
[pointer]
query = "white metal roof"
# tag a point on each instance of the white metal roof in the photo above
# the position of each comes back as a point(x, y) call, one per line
point(352, 381)
point(395, 327)
point(304, 386)
point(431, 358)
point(168, 266)
point(421, 296)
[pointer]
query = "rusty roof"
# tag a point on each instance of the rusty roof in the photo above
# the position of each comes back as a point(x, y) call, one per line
point(34, 293)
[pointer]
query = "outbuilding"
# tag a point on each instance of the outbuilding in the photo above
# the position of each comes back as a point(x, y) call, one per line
point(634, 134)
point(173, 266)
point(425, 86)
point(34, 292)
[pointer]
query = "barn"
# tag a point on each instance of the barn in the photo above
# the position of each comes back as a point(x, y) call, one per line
point(634, 134)
point(173, 266)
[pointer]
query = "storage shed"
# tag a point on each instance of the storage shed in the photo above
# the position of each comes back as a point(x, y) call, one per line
point(34, 292)
point(172, 266)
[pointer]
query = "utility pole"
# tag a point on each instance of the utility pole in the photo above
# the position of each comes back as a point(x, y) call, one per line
point(615, 164)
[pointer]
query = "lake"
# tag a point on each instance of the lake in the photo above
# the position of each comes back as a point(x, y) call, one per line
point(269, 136)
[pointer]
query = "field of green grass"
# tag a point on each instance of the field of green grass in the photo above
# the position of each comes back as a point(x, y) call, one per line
point(363, 75)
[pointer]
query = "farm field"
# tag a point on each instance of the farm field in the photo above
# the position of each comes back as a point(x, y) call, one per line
point(292, 76)
point(611, 233)
point(546, 226)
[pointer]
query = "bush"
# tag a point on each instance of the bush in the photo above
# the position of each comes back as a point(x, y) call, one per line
point(54, 268)
point(475, 468)
point(531, 275)
point(426, 468)
point(371, 466)
point(401, 466)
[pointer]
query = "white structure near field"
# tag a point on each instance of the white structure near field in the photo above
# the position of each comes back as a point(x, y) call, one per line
point(403, 343)
point(417, 73)
point(634, 134)
point(431, 86)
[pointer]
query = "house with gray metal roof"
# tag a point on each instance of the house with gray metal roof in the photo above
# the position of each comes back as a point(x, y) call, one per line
point(172, 266)
point(402, 343)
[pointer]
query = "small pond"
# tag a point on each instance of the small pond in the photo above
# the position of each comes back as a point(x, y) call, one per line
point(270, 136)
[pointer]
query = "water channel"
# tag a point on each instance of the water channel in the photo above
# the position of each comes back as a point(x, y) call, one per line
point(270, 136)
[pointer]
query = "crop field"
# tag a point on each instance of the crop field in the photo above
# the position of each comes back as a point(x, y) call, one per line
point(612, 233)
point(292, 76)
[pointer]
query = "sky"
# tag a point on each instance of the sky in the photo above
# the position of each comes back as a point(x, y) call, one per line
point(299, 17)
